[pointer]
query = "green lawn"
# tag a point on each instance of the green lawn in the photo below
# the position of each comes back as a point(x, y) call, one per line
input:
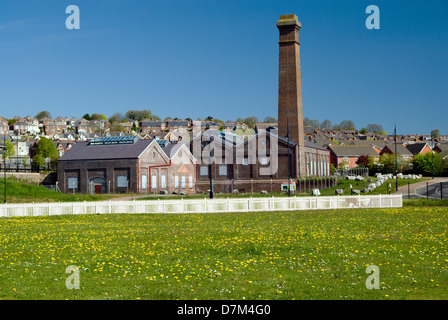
point(22, 192)
point(268, 255)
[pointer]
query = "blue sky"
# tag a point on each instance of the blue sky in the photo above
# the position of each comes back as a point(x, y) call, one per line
point(220, 58)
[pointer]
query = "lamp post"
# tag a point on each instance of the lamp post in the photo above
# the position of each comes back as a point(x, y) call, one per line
point(4, 162)
point(17, 156)
point(396, 162)
point(210, 168)
point(432, 165)
point(289, 166)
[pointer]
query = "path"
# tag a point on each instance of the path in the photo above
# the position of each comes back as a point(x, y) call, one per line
point(422, 185)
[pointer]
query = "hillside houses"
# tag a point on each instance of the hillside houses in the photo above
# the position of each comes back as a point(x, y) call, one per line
point(343, 147)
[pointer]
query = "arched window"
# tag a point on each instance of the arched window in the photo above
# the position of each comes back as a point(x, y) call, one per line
point(144, 181)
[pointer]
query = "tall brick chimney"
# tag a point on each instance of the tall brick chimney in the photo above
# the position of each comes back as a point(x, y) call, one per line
point(290, 84)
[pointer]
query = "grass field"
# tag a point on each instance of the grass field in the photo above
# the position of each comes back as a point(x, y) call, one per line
point(281, 255)
point(22, 192)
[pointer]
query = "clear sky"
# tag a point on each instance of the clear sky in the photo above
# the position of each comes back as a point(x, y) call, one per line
point(198, 58)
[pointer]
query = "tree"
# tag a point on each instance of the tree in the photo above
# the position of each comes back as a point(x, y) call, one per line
point(306, 122)
point(435, 134)
point(116, 117)
point(251, 121)
point(97, 116)
point(134, 127)
point(270, 120)
point(43, 114)
point(375, 128)
point(425, 164)
point(86, 116)
point(314, 124)
point(116, 127)
point(326, 124)
point(337, 127)
point(139, 115)
point(45, 149)
point(387, 162)
point(347, 125)
point(10, 150)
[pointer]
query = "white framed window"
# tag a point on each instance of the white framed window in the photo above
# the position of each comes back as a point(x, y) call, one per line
point(154, 181)
point(163, 182)
point(176, 181)
point(190, 178)
point(144, 181)
point(183, 182)
point(245, 161)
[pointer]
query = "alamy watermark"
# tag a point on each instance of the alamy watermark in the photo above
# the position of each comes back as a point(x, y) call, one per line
point(373, 280)
point(73, 21)
point(373, 20)
point(213, 146)
point(72, 281)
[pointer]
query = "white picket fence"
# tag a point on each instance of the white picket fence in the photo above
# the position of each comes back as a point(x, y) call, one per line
point(201, 205)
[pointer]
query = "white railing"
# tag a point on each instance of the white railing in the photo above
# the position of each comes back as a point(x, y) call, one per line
point(201, 205)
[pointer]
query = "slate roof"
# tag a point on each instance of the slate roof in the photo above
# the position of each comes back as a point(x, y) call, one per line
point(353, 151)
point(171, 149)
point(401, 149)
point(84, 151)
point(416, 148)
point(151, 123)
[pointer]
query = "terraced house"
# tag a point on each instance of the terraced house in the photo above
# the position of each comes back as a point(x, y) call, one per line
point(346, 156)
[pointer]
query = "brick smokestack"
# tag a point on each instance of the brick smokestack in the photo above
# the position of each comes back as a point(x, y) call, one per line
point(290, 84)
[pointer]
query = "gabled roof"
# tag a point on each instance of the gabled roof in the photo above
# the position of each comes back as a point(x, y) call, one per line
point(85, 151)
point(442, 147)
point(352, 151)
point(151, 123)
point(416, 148)
point(177, 123)
point(401, 149)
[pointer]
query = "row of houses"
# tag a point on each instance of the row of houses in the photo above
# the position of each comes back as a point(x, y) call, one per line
point(348, 155)
point(65, 126)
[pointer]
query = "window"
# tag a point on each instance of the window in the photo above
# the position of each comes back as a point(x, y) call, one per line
point(163, 183)
point(154, 181)
point(263, 160)
point(72, 183)
point(222, 170)
point(122, 181)
point(176, 181)
point(191, 181)
point(203, 171)
point(183, 182)
point(245, 161)
point(144, 181)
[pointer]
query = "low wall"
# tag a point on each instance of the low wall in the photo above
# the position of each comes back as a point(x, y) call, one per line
point(37, 178)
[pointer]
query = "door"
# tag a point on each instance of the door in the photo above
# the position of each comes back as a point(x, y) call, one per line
point(98, 188)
